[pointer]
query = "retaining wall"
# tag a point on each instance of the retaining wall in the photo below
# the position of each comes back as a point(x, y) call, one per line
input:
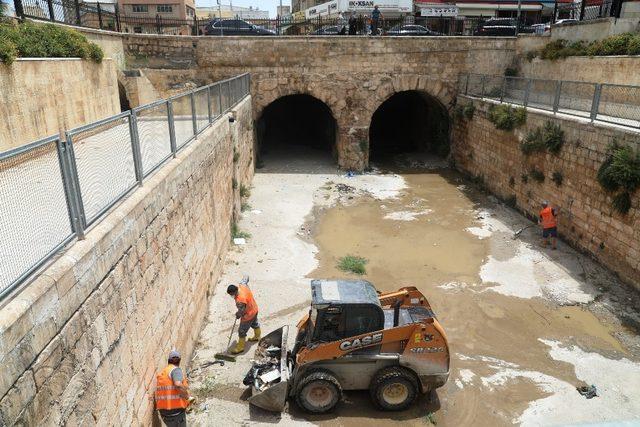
point(587, 219)
point(82, 343)
point(595, 29)
point(41, 97)
point(621, 70)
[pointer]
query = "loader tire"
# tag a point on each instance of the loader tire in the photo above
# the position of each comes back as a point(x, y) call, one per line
point(319, 392)
point(393, 389)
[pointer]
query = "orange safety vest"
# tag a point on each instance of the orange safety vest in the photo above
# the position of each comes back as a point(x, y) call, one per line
point(167, 394)
point(245, 296)
point(548, 219)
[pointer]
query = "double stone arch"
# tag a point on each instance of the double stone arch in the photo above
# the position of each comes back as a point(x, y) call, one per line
point(352, 100)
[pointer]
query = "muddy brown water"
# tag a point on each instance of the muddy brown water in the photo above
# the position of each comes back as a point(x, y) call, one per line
point(432, 250)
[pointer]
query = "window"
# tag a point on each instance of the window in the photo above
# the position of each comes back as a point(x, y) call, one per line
point(140, 8)
point(164, 8)
point(190, 12)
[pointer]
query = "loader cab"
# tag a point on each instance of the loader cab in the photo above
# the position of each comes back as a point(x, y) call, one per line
point(342, 309)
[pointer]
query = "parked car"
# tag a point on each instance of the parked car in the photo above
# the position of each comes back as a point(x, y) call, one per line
point(235, 27)
point(411, 30)
point(566, 21)
point(540, 28)
point(500, 27)
point(331, 30)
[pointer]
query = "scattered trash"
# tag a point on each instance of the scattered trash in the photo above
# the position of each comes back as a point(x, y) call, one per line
point(270, 376)
point(588, 391)
point(239, 241)
point(431, 418)
point(343, 188)
point(350, 174)
point(256, 211)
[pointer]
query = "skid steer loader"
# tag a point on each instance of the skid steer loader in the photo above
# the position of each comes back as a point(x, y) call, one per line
point(352, 339)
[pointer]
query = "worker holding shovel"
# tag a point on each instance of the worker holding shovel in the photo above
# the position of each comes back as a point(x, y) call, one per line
point(247, 313)
point(549, 223)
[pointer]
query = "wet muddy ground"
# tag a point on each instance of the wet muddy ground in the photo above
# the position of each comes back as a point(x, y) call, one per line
point(526, 325)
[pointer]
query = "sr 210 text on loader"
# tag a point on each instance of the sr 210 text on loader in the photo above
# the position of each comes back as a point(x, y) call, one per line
point(352, 339)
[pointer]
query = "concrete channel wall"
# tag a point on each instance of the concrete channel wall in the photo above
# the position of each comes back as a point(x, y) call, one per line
point(622, 70)
point(42, 96)
point(81, 344)
point(586, 217)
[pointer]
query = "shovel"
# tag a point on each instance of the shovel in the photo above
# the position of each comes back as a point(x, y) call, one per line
point(519, 232)
point(225, 354)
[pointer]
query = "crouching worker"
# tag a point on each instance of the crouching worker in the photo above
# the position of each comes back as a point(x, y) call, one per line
point(172, 393)
point(247, 313)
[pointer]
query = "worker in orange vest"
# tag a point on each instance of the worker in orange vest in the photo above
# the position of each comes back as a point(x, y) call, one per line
point(247, 313)
point(172, 393)
point(549, 223)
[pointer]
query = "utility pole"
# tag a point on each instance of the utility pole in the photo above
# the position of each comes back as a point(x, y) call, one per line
point(518, 17)
point(279, 17)
point(220, 16)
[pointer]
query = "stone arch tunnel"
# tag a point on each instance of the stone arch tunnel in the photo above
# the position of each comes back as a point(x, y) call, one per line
point(343, 118)
point(408, 122)
point(351, 76)
point(296, 124)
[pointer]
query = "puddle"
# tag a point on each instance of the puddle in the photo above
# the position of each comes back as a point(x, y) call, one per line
point(501, 364)
point(425, 246)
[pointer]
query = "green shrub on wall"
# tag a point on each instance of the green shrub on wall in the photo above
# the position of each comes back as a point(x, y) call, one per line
point(29, 40)
point(506, 117)
point(622, 44)
point(620, 173)
point(549, 137)
point(464, 111)
point(537, 175)
point(533, 142)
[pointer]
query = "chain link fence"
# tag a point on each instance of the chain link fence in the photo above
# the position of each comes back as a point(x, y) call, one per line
point(618, 104)
point(53, 190)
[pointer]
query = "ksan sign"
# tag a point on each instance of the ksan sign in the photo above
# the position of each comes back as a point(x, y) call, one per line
point(361, 6)
point(439, 10)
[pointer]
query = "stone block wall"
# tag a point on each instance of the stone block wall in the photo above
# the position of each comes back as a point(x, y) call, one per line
point(81, 344)
point(622, 70)
point(587, 220)
point(41, 97)
point(353, 76)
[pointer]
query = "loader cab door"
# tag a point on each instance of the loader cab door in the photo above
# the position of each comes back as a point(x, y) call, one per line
point(341, 321)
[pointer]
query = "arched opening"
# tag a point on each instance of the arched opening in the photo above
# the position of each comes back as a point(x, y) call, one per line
point(296, 126)
point(409, 122)
point(125, 105)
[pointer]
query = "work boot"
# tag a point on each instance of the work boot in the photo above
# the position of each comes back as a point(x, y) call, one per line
point(256, 335)
point(239, 346)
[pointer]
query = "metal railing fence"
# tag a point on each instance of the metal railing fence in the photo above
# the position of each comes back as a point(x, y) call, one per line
point(618, 104)
point(53, 190)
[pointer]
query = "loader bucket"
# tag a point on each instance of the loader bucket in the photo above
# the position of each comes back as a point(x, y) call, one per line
point(271, 372)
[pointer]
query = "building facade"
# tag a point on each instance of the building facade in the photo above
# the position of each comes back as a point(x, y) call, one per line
point(154, 16)
point(425, 8)
point(226, 11)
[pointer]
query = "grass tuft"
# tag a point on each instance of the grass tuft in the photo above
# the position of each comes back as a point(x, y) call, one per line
point(353, 264)
point(236, 233)
point(244, 191)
